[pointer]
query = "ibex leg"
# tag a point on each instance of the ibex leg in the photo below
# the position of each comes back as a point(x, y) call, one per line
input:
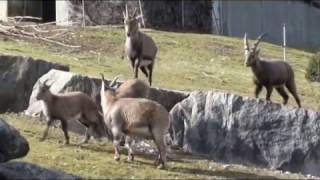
point(283, 93)
point(45, 133)
point(64, 127)
point(257, 90)
point(292, 89)
point(269, 92)
point(150, 67)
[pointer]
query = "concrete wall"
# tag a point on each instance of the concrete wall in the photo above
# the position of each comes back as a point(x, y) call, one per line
point(255, 17)
point(3, 10)
point(62, 13)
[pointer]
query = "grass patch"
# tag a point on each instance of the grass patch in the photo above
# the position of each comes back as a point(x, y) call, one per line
point(96, 161)
point(196, 61)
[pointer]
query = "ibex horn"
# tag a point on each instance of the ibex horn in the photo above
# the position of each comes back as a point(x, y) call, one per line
point(102, 76)
point(258, 40)
point(126, 10)
point(246, 43)
point(134, 12)
point(114, 81)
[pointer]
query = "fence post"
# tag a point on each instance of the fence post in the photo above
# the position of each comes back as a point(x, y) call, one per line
point(182, 13)
point(83, 15)
point(284, 41)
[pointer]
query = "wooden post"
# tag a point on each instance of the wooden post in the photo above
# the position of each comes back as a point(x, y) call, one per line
point(284, 41)
point(144, 25)
point(83, 15)
point(182, 12)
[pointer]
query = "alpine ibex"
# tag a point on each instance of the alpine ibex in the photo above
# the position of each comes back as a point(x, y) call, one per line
point(68, 107)
point(270, 73)
point(134, 117)
point(140, 49)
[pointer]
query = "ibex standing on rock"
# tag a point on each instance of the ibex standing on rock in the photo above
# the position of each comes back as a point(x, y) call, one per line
point(270, 73)
point(140, 49)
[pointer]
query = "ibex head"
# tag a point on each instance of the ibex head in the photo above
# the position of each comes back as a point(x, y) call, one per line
point(251, 53)
point(131, 23)
point(43, 91)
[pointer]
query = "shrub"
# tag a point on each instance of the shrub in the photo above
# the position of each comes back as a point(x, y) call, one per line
point(313, 69)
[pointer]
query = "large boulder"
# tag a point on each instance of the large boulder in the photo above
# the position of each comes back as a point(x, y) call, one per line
point(61, 82)
point(13, 145)
point(17, 77)
point(24, 170)
point(234, 129)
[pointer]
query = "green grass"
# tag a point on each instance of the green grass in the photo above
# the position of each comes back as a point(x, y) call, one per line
point(94, 160)
point(185, 61)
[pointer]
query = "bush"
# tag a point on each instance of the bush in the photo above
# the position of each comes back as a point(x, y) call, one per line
point(313, 69)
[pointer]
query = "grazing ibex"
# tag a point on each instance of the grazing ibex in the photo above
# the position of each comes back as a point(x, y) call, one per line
point(270, 73)
point(68, 107)
point(140, 49)
point(135, 117)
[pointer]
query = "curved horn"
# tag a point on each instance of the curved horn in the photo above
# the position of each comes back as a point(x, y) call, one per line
point(134, 12)
point(102, 76)
point(102, 84)
point(124, 15)
point(126, 10)
point(255, 45)
point(114, 81)
point(246, 43)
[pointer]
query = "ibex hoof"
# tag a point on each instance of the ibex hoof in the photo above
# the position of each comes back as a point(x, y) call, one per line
point(117, 158)
point(161, 166)
point(130, 158)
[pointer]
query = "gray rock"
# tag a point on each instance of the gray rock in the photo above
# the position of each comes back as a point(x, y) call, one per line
point(17, 77)
point(62, 82)
point(13, 145)
point(234, 129)
point(24, 170)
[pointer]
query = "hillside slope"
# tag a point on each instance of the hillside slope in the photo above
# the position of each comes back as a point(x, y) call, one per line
point(185, 61)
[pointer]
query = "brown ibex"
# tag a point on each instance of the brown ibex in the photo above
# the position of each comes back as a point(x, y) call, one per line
point(68, 107)
point(140, 49)
point(270, 74)
point(135, 117)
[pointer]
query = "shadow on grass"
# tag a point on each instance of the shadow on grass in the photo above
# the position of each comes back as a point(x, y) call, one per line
point(219, 173)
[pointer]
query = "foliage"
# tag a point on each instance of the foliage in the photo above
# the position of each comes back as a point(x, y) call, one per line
point(313, 69)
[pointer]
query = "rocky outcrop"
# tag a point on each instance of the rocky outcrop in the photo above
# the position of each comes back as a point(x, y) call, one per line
point(24, 170)
point(17, 77)
point(12, 144)
point(234, 129)
point(61, 82)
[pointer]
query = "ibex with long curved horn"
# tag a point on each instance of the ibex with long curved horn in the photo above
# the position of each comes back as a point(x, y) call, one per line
point(140, 49)
point(270, 74)
point(134, 117)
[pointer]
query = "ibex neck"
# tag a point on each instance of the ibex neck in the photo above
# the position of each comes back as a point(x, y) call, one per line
point(49, 99)
point(256, 67)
